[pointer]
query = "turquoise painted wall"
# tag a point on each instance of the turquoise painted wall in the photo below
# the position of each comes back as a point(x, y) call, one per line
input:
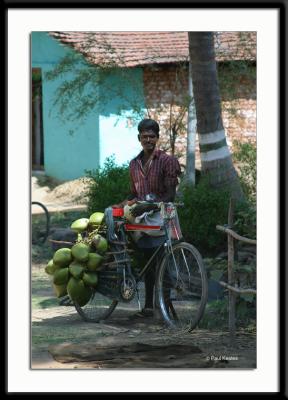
point(68, 149)
point(71, 148)
point(118, 134)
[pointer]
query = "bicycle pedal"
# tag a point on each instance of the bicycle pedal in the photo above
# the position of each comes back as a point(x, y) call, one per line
point(66, 301)
point(68, 304)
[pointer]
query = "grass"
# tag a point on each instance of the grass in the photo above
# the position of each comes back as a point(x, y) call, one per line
point(80, 332)
point(38, 302)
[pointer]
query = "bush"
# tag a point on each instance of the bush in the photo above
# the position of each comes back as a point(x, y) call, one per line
point(245, 220)
point(109, 185)
point(245, 157)
point(204, 209)
point(216, 314)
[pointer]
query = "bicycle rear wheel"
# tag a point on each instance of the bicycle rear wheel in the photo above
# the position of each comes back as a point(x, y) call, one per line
point(182, 287)
point(98, 308)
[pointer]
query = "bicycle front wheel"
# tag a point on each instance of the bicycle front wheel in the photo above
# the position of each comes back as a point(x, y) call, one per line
point(182, 287)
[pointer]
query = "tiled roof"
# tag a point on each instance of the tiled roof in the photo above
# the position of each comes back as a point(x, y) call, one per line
point(130, 49)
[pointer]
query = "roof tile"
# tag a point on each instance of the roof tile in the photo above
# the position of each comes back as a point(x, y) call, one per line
point(130, 49)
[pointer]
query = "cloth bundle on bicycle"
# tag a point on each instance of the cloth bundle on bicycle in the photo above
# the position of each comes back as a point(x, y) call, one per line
point(152, 217)
point(155, 217)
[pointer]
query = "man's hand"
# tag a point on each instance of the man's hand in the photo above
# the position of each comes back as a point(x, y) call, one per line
point(139, 209)
point(124, 203)
point(117, 206)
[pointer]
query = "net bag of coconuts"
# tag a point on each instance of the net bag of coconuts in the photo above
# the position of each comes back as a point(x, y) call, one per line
point(73, 271)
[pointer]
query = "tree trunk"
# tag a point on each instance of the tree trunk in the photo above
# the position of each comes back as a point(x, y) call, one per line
point(191, 133)
point(215, 155)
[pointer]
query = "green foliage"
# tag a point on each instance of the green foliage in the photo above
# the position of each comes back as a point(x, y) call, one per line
point(216, 315)
point(245, 157)
point(236, 79)
point(36, 76)
point(36, 84)
point(204, 209)
point(245, 220)
point(86, 88)
point(109, 185)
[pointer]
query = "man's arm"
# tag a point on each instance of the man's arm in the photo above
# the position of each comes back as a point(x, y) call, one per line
point(171, 174)
point(129, 201)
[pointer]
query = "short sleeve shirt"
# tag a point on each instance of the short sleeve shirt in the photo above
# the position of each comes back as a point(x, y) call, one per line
point(162, 171)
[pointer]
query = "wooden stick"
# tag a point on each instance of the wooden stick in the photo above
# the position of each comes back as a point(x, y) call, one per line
point(237, 290)
point(60, 241)
point(116, 262)
point(235, 235)
point(232, 322)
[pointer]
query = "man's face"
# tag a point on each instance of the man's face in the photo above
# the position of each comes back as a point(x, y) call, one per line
point(148, 140)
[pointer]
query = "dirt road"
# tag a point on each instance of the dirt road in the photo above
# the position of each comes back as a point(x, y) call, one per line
point(62, 340)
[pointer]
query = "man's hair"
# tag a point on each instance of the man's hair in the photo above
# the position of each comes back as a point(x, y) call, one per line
point(148, 125)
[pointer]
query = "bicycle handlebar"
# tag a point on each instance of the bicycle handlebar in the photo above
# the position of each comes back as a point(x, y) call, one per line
point(177, 204)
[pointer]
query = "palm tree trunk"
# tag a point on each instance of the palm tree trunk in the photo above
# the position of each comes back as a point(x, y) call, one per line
point(191, 133)
point(215, 155)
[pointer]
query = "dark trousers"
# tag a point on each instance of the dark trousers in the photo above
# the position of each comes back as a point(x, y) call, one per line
point(150, 275)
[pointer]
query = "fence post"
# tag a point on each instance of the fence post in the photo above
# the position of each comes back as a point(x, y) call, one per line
point(231, 297)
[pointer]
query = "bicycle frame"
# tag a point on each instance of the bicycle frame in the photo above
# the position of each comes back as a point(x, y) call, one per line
point(118, 280)
point(167, 245)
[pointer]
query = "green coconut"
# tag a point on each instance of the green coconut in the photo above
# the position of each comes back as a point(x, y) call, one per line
point(62, 257)
point(60, 290)
point(80, 225)
point(96, 219)
point(94, 261)
point(78, 291)
point(50, 268)
point(90, 278)
point(100, 243)
point(61, 276)
point(80, 251)
point(76, 269)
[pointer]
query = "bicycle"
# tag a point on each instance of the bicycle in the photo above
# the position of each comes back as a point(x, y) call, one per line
point(38, 234)
point(181, 287)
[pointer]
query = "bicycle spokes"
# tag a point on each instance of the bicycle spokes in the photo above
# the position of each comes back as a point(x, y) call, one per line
point(182, 286)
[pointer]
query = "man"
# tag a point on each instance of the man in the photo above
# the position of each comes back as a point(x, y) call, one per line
point(153, 173)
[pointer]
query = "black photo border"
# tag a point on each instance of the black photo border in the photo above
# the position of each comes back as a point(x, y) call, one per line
point(282, 6)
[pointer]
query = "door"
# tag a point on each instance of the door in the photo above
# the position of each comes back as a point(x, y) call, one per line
point(37, 121)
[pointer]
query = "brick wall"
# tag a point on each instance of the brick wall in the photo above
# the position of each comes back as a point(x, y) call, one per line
point(166, 89)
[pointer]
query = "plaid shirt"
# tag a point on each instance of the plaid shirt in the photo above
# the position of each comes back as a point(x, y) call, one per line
point(159, 174)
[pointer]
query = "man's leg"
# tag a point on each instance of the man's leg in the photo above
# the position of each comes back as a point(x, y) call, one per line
point(149, 287)
point(150, 278)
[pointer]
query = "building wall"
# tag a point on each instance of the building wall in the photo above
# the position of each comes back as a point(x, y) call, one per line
point(127, 95)
point(124, 108)
point(71, 148)
point(166, 87)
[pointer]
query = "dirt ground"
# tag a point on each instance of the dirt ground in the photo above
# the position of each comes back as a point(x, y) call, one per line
point(62, 340)
point(59, 196)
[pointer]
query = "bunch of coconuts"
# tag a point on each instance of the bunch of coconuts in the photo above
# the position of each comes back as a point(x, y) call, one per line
point(74, 271)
